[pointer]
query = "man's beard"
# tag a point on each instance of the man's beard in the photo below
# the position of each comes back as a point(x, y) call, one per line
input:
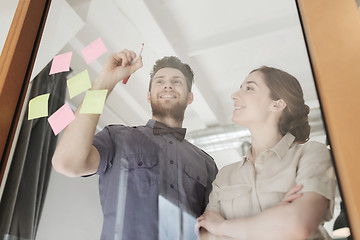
point(175, 112)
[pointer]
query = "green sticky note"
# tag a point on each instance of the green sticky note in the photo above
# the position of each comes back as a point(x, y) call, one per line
point(93, 102)
point(38, 106)
point(79, 83)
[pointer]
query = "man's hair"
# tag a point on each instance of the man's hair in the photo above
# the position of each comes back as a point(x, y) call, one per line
point(173, 62)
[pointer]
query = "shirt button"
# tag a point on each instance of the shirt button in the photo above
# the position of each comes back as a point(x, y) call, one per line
point(170, 142)
point(198, 178)
point(171, 162)
point(172, 185)
point(140, 163)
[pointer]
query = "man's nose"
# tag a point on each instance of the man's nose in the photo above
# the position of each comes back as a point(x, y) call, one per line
point(168, 85)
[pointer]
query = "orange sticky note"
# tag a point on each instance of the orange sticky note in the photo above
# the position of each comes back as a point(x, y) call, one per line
point(61, 63)
point(61, 118)
point(94, 50)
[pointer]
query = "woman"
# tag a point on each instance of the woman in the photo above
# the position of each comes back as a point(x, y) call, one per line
point(244, 202)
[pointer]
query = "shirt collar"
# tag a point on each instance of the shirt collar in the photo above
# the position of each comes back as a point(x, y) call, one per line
point(246, 157)
point(280, 148)
point(283, 145)
point(151, 123)
point(161, 128)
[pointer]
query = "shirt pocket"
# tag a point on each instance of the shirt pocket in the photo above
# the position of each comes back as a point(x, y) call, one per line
point(271, 191)
point(138, 176)
point(197, 175)
point(235, 201)
point(142, 171)
point(194, 185)
point(142, 192)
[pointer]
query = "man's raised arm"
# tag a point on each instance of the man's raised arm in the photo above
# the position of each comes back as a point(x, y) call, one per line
point(75, 155)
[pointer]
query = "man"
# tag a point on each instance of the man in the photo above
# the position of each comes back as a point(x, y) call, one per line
point(160, 165)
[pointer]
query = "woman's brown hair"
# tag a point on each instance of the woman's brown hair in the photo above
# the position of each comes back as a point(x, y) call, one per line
point(294, 118)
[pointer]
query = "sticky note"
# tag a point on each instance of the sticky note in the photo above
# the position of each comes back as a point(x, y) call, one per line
point(93, 102)
point(94, 50)
point(79, 83)
point(38, 106)
point(61, 63)
point(61, 118)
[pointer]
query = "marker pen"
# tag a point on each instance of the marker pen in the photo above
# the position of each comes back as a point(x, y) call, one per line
point(133, 61)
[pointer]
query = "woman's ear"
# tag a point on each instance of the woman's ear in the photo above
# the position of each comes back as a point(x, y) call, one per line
point(279, 105)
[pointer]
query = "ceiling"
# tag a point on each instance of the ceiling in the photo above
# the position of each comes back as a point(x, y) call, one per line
point(221, 40)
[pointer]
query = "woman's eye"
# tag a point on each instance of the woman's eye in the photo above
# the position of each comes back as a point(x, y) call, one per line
point(249, 88)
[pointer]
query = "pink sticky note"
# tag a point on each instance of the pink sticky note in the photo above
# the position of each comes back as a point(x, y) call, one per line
point(94, 50)
point(61, 63)
point(61, 118)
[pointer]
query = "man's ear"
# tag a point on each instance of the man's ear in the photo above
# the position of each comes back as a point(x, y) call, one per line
point(279, 105)
point(190, 98)
point(148, 97)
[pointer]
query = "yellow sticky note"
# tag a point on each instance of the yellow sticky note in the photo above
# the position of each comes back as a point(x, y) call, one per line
point(93, 102)
point(79, 83)
point(38, 106)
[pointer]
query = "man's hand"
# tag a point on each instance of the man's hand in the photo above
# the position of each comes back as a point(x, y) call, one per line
point(117, 67)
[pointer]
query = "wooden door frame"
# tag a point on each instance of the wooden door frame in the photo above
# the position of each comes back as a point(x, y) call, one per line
point(16, 63)
point(332, 33)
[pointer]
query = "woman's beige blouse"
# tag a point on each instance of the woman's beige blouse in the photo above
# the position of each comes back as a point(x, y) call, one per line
point(244, 189)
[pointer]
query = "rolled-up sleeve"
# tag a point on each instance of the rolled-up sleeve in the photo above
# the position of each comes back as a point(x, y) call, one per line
point(316, 173)
point(105, 146)
point(214, 204)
